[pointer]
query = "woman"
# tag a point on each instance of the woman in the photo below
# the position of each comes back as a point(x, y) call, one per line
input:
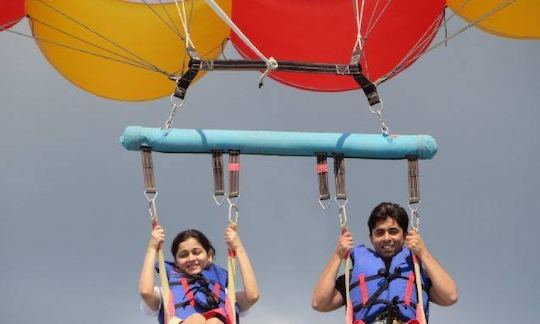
point(197, 285)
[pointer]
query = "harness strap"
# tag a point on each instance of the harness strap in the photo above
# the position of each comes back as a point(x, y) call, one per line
point(217, 167)
point(408, 291)
point(217, 290)
point(368, 87)
point(322, 172)
point(339, 172)
point(188, 291)
point(150, 192)
point(234, 174)
point(414, 193)
point(363, 288)
point(184, 82)
point(231, 283)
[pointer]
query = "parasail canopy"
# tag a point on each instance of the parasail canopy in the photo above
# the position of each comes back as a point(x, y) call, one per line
point(393, 33)
point(506, 18)
point(114, 48)
point(11, 11)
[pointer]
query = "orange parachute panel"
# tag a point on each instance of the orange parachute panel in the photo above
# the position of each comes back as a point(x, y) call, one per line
point(113, 48)
point(513, 19)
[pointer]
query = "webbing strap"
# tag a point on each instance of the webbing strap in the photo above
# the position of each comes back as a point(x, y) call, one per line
point(151, 193)
point(339, 173)
point(217, 289)
point(231, 284)
point(370, 90)
point(322, 174)
point(148, 170)
point(189, 292)
point(234, 174)
point(217, 167)
point(414, 193)
point(408, 291)
point(420, 313)
point(363, 289)
point(184, 82)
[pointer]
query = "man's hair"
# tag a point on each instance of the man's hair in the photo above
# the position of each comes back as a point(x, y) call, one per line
point(387, 209)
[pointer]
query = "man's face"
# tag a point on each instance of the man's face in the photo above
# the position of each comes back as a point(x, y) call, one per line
point(387, 238)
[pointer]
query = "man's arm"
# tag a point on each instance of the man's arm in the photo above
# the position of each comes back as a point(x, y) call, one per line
point(443, 290)
point(325, 295)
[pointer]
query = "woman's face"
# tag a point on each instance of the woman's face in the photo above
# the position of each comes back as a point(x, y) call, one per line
point(191, 257)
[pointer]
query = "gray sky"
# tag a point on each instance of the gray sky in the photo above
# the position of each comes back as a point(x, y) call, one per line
point(74, 223)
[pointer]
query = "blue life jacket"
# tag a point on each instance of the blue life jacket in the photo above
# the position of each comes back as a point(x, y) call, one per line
point(375, 289)
point(201, 293)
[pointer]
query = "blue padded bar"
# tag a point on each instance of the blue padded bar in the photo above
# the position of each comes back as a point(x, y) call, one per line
point(363, 146)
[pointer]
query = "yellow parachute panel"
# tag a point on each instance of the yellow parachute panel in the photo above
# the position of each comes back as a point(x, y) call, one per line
point(112, 47)
point(519, 19)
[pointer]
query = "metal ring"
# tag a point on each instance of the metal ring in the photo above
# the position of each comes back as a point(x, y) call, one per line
point(377, 111)
point(325, 206)
point(340, 205)
point(150, 196)
point(178, 102)
point(218, 202)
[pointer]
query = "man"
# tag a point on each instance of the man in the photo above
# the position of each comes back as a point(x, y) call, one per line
point(382, 288)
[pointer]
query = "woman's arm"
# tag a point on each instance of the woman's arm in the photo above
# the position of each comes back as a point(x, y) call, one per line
point(326, 297)
point(146, 280)
point(249, 296)
point(443, 290)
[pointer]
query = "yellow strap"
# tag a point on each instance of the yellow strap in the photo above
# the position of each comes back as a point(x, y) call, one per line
point(348, 303)
point(231, 286)
point(420, 314)
point(231, 278)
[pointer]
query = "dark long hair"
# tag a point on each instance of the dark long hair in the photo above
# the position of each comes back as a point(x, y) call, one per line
point(197, 235)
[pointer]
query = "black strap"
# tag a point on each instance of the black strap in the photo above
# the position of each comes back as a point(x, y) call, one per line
point(370, 90)
point(184, 82)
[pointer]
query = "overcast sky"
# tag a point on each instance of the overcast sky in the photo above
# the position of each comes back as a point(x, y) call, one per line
point(74, 222)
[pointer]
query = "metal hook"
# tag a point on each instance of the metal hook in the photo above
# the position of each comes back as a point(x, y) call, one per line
point(233, 207)
point(415, 223)
point(176, 103)
point(342, 203)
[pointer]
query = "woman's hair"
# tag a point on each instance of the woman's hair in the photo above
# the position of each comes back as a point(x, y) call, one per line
point(387, 209)
point(198, 236)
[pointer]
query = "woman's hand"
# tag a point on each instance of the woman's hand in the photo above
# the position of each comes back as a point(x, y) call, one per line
point(232, 238)
point(156, 238)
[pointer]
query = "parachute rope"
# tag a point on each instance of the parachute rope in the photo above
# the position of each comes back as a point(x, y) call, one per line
point(169, 24)
point(271, 63)
point(141, 64)
point(137, 65)
point(359, 45)
point(182, 15)
point(423, 41)
point(99, 35)
point(447, 38)
point(372, 23)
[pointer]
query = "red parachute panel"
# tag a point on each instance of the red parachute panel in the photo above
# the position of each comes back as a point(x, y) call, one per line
point(324, 31)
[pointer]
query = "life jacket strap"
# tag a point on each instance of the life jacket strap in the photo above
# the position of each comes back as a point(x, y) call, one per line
point(363, 288)
point(188, 291)
point(408, 291)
